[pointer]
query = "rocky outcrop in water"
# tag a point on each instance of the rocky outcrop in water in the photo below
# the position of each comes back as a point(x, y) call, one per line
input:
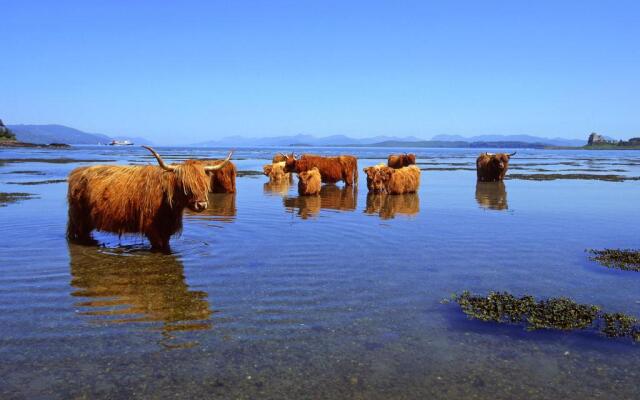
point(5, 133)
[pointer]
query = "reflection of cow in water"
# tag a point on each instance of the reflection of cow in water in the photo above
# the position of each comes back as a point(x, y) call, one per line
point(222, 205)
point(492, 195)
point(387, 206)
point(331, 197)
point(277, 188)
point(136, 287)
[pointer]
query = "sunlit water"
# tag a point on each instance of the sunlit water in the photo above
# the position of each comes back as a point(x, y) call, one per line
point(269, 295)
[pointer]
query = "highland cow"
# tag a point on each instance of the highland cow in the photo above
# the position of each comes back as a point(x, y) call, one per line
point(332, 169)
point(309, 182)
point(371, 173)
point(401, 160)
point(276, 173)
point(396, 181)
point(224, 179)
point(279, 158)
point(147, 200)
point(492, 167)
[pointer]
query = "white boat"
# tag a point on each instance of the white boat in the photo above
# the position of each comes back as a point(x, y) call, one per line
point(121, 143)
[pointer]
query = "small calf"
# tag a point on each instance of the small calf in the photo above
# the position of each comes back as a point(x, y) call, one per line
point(309, 182)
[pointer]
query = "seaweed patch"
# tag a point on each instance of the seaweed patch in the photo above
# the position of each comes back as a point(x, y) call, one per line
point(9, 198)
point(558, 313)
point(625, 259)
point(553, 177)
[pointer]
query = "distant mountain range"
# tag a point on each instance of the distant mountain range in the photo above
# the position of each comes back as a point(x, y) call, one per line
point(45, 134)
point(334, 140)
point(386, 141)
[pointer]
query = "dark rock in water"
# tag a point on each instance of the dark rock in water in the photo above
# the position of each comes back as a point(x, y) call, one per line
point(625, 259)
point(558, 313)
point(15, 143)
point(8, 198)
point(5, 133)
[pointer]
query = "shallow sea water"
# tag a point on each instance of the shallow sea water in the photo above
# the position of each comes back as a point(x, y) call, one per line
point(270, 295)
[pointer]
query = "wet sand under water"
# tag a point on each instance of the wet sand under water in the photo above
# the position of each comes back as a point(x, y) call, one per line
point(270, 295)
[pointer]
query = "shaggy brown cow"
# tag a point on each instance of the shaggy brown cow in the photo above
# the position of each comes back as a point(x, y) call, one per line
point(396, 181)
point(147, 200)
point(492, 167)
point(332, 169)
point(309, 182)
point(387, 206)
point(401, 160)
point(224, 179)
point(275, 172)
point(371, 173)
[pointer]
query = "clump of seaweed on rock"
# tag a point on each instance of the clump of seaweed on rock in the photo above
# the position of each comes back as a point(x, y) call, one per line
point(625, 259)
point(558, 313)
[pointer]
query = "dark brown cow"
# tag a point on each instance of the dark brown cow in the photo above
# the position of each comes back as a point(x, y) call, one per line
point(147, 200)
point(332, 169)
point(401, 160)
point(224, 179)
point(492, 167)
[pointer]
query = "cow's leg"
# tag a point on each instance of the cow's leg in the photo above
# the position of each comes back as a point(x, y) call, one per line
point(159, 242)
point(79, 225)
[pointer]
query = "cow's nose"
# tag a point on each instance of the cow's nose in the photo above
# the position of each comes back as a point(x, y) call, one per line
point(201, 205)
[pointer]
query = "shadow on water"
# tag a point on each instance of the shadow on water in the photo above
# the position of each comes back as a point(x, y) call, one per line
point(128, 287)
point(331, 197)
point(222, 207)
point(386, 206)
point(492, 195)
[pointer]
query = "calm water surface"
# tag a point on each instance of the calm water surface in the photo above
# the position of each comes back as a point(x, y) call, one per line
point(269, 295)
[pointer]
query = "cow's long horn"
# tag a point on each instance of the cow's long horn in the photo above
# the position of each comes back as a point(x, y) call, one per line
point(219, 166)
point(160, 160)
point(513, 154)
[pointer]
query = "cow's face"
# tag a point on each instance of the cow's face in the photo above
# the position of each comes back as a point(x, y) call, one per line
point(290, 163)
point(501, 161)
point(267, 169)
point(410, 159)
point(193, 185)
point(381, 177)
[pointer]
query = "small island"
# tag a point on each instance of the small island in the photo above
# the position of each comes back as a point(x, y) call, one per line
point(8, 139)
point(599, 142)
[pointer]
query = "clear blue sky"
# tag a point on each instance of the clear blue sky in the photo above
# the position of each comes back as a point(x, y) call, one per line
point(186, 71)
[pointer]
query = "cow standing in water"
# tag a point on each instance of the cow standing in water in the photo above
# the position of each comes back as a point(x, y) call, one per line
point(332, 169)
point(401, 160)
point(223, 180)
point(309, 182)
point(492, 167)
point(147, 200)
